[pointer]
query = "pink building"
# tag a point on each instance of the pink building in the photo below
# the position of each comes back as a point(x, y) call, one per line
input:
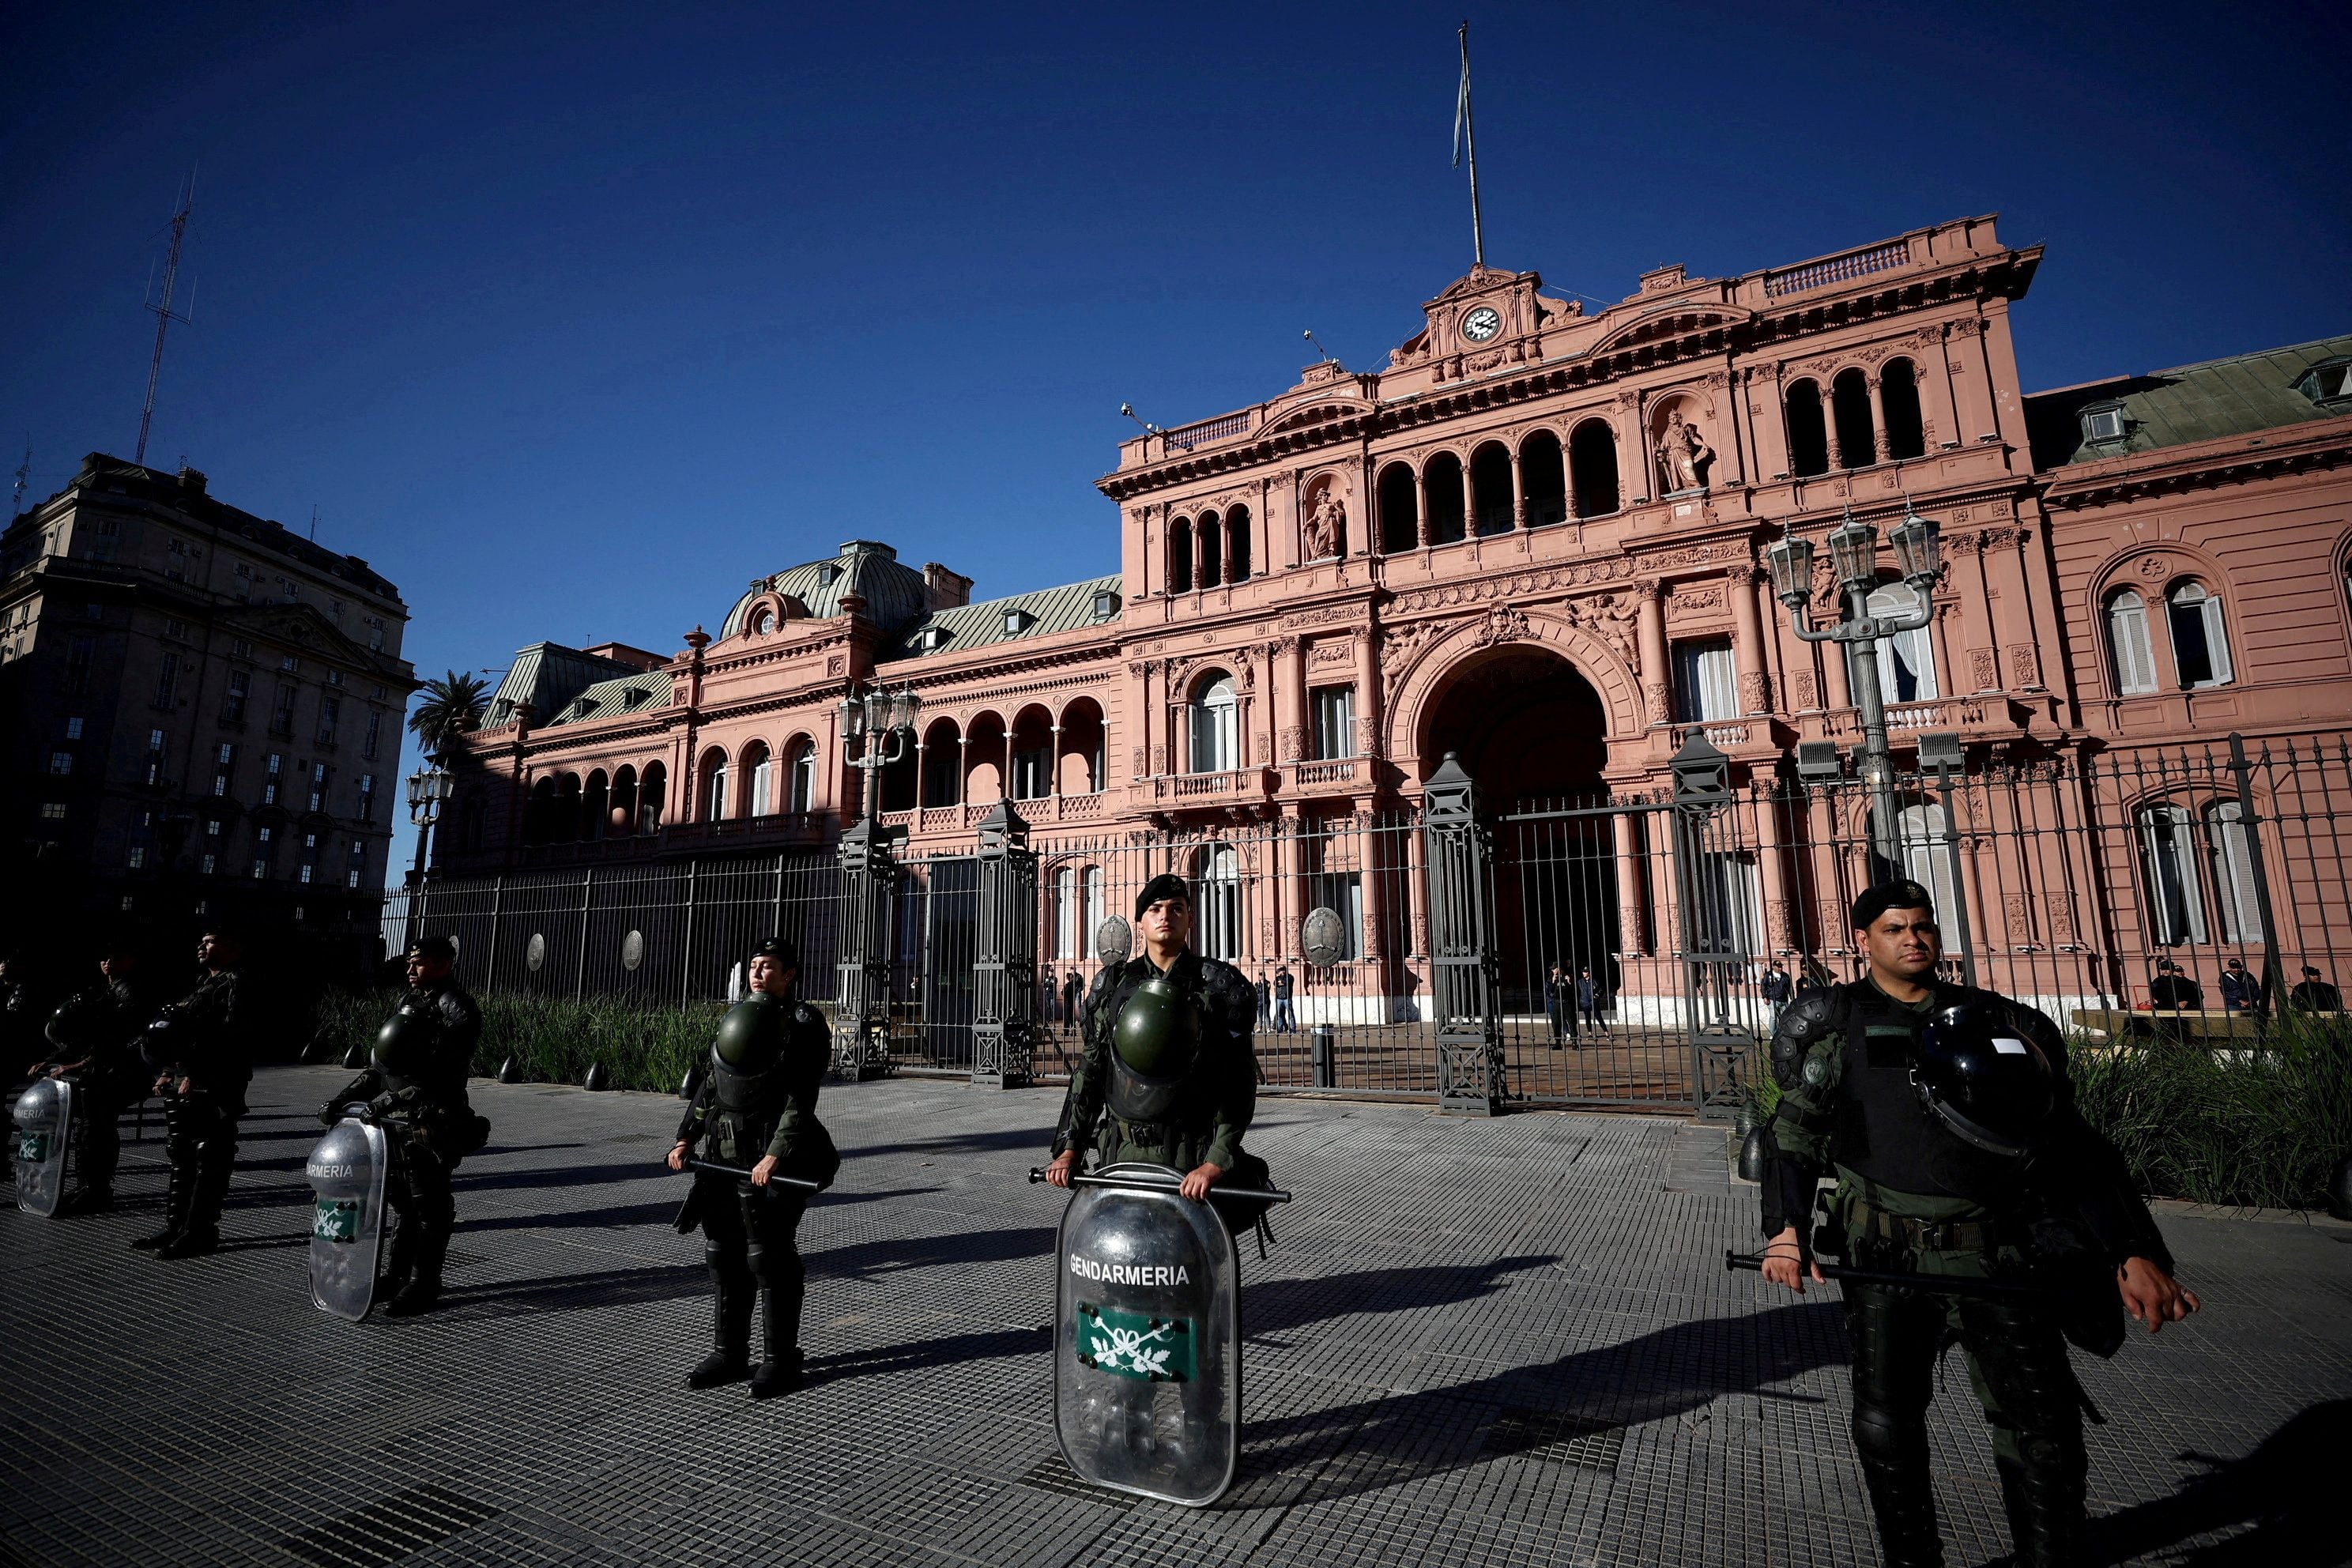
point(1533, 540)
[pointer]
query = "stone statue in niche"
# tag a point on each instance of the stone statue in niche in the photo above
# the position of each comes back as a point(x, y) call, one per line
point(1684, 456)
point(1327, 527)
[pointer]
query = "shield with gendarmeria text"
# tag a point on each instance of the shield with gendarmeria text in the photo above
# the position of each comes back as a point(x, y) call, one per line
point(1147, 1347)
point(346, 1172)
point(44, 1129)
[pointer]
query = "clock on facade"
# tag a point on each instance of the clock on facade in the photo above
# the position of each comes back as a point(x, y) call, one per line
point(1482, 323)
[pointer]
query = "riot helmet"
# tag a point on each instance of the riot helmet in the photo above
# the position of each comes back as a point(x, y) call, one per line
point(752, 1037)
point(79, 1023)
point(1984, 1079)
point(402, 1044)
point(1159, 1031)
point(167, 1035)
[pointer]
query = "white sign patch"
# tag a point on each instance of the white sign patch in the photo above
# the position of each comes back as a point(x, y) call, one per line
point(2009, 1047)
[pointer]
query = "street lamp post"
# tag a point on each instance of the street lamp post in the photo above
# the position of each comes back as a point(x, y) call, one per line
point(1854, 560)
point(429, 789)
point(881, 725)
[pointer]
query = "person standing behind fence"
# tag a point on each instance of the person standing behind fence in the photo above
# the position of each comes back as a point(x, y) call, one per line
point(757, 1103)
point(1285, 1021)
point(2315, 994)
point(2174, 991)
point(1073, 988)
point(1589, 1001)
point(2240, 992)
point(1776, 994)
point(1264, 999)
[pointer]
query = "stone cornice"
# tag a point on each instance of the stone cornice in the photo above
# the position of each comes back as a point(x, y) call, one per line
point(2294, 449)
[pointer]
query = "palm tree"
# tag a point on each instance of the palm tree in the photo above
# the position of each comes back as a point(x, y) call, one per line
point(453, 705)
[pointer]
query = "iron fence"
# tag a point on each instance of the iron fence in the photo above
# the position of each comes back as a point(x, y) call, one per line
point(1618, 949)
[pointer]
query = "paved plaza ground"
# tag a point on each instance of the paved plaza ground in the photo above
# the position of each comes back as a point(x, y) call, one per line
point(1477, 1342)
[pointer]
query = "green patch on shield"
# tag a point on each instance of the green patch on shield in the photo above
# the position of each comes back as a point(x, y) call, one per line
point(1133, 1345)
point(32, 1148)
point(338, 1219)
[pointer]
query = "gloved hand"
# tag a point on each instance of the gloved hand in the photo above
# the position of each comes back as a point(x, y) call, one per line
point(383, 1104)
point(331, 1113)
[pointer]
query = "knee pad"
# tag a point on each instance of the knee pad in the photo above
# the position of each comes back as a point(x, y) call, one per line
point(726, 1262)
point(1887, 1435)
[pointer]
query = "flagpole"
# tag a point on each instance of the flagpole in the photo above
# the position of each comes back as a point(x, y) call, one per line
point(1470, 140)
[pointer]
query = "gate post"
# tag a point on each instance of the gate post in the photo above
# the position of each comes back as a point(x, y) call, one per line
point(1461, 945)
point(861, 1023)
point(1005, 963)
point(1713, 947)
point(2273, 975)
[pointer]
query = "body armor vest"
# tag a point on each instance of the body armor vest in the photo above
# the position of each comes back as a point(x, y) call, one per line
point(744, 1081)
point(1885, 1134)
point(403, 1049)
point(1160, 1026)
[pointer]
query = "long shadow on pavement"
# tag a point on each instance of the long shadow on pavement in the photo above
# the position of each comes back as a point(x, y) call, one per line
point(2285, 1489)
point(573, 1292)
point(1037, 1138)
point(887, 1360)
point(1278, 1304)
point(896, 1256)
point(1668, 1372)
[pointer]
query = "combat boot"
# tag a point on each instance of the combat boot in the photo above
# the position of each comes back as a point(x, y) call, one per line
point(422, 1293)
point(201, 1234)
point(731, 1322)
point(780, 1324)
point(400, 1262)
point(176, 1214)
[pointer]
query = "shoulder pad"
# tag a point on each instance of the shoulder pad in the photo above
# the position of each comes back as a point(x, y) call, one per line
point(1801, 1023)
point(804, 1014)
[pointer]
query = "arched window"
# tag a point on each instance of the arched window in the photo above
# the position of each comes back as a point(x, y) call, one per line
point(1592, 459)
point(763, 621)
point(1400, 507)
point(625, 801)
point(1066, 912)
point(1490, 487)
point(1543, 478)
point(566, 826)
point(1927, 858)
point(2233, 871)
point(2176, 895)
point(1091, 921)
point(1215, 723)
point(651, 789)
point(759, 767)
point(1809, 434)
point(594, 802)
point(800, 782)
point(714, 787)
point(1213, 550)
point(1907, 660)
point(942, 765)
point(538, 825)
point(2130, 654)
point(1441, 481)
point(1898, 398)
point(1857, 439)
point(1179, 556)
point(1218, 918)
point(1237, 545)
point(2200, 646)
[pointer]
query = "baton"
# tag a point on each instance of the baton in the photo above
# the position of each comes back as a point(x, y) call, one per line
point(1146, 1185)
point(1934, 1284)
point(716, 1169)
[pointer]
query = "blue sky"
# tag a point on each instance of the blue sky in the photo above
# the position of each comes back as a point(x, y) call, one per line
point(572, 318)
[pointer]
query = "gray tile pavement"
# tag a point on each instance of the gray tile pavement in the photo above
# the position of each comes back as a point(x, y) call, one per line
point(1489, 1342)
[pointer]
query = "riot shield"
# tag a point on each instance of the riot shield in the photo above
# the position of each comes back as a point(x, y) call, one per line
point(1146, 1340)
point(44, 1131)
point(346, 1171)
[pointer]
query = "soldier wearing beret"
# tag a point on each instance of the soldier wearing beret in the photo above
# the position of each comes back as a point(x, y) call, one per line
point(757, 1107)
point(1168, 1075)
point(1946, 1116)
point(201, 1047)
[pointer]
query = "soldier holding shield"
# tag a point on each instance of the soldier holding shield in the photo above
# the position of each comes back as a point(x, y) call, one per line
point(414, 1085)
point(202, 1049)
point(96, 1038)
point(1168, 1057)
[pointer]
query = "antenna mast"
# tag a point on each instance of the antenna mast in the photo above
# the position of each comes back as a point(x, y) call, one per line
point(23, 472)
point(165, 314)
point(1466, 137)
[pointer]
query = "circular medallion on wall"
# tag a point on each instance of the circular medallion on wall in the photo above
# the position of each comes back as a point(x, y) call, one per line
point(1324, 938)
point(535, 954)
point(633, 950)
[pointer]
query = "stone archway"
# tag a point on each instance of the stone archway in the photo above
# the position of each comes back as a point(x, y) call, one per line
point(1525, 721)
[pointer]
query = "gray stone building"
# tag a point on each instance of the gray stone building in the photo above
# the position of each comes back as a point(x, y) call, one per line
point(200, 716)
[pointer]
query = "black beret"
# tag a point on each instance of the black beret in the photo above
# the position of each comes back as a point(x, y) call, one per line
point(1902, 895)
point(437, 947)
point(782, 951)
point(1167, 885)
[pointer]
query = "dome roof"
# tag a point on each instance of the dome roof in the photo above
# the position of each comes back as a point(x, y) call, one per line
point(892, 594)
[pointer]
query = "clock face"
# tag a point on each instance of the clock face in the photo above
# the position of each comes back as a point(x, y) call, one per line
point(1482, 323)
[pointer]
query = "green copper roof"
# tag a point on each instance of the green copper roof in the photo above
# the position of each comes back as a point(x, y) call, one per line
point(2178, 407)
point(639, 693)
point(549, 676)
point(893, 593)
point(1040, 614)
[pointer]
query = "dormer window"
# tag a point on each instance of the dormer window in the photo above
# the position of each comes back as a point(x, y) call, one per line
point(1105, 604)
point(829, 574)
point(1017, 620)
point(2329, 382)
point(2104, 422)
point(933, 638)
point(633, 697)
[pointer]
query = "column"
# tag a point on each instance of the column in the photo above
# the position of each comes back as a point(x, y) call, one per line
point(1370, 717)
point(1518, 492)
point(1779, 919)
point(1877, 420)
point(1983, 648)
point(1747, 641)
point(1653, 632)
point(1837, 693)
point(1946, 412)
point(1053, 758)
point(1421, 491)
point(1632, 451)
point(1469, 503)
point(1632, 901)
point(2015, 616)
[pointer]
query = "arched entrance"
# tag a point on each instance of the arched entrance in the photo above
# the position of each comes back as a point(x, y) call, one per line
point(1533, 734)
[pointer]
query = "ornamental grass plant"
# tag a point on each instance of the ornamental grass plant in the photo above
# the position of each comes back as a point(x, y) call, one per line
point(551, 1039)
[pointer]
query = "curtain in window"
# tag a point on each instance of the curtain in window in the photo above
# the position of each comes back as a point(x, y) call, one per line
point(2201, 649)
point(1067, 914)
point(2127, 643)
point(763, 781)
point(1220, 884)
point(2233, 872)
point(1925, 855)
point(1907, 662)
point(1707, 682)
point(2176, 898)
point(803, 785)
point(716, 796)
point(1335, 723)
point(1216, 728)
point(1093, 918)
